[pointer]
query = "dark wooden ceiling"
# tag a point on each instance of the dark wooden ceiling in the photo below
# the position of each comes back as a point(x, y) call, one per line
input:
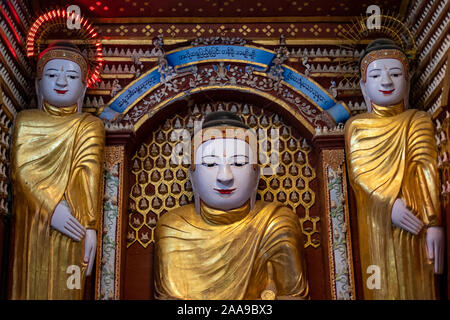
point(222, 8)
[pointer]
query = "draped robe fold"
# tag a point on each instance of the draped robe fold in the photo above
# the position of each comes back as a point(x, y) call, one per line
point(391, 154)
point(199, 260)
point(56, 155)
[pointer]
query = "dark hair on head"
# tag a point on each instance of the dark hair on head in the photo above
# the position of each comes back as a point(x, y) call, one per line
point(221, 118)
point(62, 44)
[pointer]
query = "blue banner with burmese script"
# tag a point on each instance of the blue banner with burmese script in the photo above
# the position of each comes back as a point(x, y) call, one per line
point(260, 59)
point(309, 88)
point(312, 91)
point(134, 91)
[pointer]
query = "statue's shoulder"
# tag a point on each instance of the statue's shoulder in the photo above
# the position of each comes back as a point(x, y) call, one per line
point(422, 116)
point(278, 217)
point(274, 207)
point(176, 215)
point(416, 118)
point(90, 124)
point(28, 117)
point(356, 121)
point(29, 114)
point(91, 119)
point(420, 120)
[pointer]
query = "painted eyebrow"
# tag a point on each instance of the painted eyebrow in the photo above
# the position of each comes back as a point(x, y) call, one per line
point(210, 155)
point(239, 155)
point(375, 70)
point(72, 71)
point(51, 69)
point(396, 68)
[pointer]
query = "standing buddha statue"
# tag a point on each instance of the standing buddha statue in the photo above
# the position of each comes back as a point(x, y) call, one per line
point(56, 172)
point(391, 158)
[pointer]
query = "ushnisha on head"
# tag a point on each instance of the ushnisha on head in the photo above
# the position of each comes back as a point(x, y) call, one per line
point(61, 75)
point(224, 171)
point(384, 69)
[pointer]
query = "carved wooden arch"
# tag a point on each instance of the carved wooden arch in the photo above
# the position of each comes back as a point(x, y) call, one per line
point(176, 79)
point(224, 93)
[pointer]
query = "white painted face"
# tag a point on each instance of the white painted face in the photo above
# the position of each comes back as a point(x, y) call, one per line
point(61, 84)
point(386, 83)
point(224, 176)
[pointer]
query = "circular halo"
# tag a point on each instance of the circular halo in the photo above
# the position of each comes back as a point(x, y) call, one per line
point(359, 35)
point(55, 23)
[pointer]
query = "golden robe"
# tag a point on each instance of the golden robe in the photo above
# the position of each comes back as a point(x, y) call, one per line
point(224, 254)
point(56, 154)
point(391, 154)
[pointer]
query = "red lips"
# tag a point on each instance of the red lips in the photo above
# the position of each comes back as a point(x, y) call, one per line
point(225, 191)
point(60, 91)
point(386, 92)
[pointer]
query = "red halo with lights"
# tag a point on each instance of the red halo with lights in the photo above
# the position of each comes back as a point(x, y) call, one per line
point(54, 23)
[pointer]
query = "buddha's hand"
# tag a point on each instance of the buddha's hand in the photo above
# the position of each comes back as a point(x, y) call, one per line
point(64, 222)
point(270, 293)
point(403, 218)
point(90, 244)
point(435, 248)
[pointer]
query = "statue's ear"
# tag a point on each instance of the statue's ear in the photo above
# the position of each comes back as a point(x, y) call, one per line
point(362, 85)
point(255, 191)
point(39, 96)
point(408, 87)
point(196, 195)
point(81, 100)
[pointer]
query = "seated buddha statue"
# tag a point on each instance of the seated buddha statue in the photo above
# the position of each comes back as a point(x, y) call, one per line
point(56, 172)
point(392, 167)
point(227, 245)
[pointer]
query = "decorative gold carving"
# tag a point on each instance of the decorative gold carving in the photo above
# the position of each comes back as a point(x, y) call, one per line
point(266, 41)
point(287, 107)
point(113, 155)
point(334, 158)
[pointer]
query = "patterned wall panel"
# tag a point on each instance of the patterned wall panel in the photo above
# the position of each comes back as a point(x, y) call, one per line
point(429, 22)
point(442, 134)
point(338, 221)
point(5, 130)
point(110, 234)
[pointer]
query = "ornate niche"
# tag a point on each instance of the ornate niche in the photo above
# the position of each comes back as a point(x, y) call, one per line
point(158, 183)
point(170, 97)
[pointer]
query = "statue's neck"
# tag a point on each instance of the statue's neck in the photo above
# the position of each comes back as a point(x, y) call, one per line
point(388, 111)
point(59, 111)
point(221, 217)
